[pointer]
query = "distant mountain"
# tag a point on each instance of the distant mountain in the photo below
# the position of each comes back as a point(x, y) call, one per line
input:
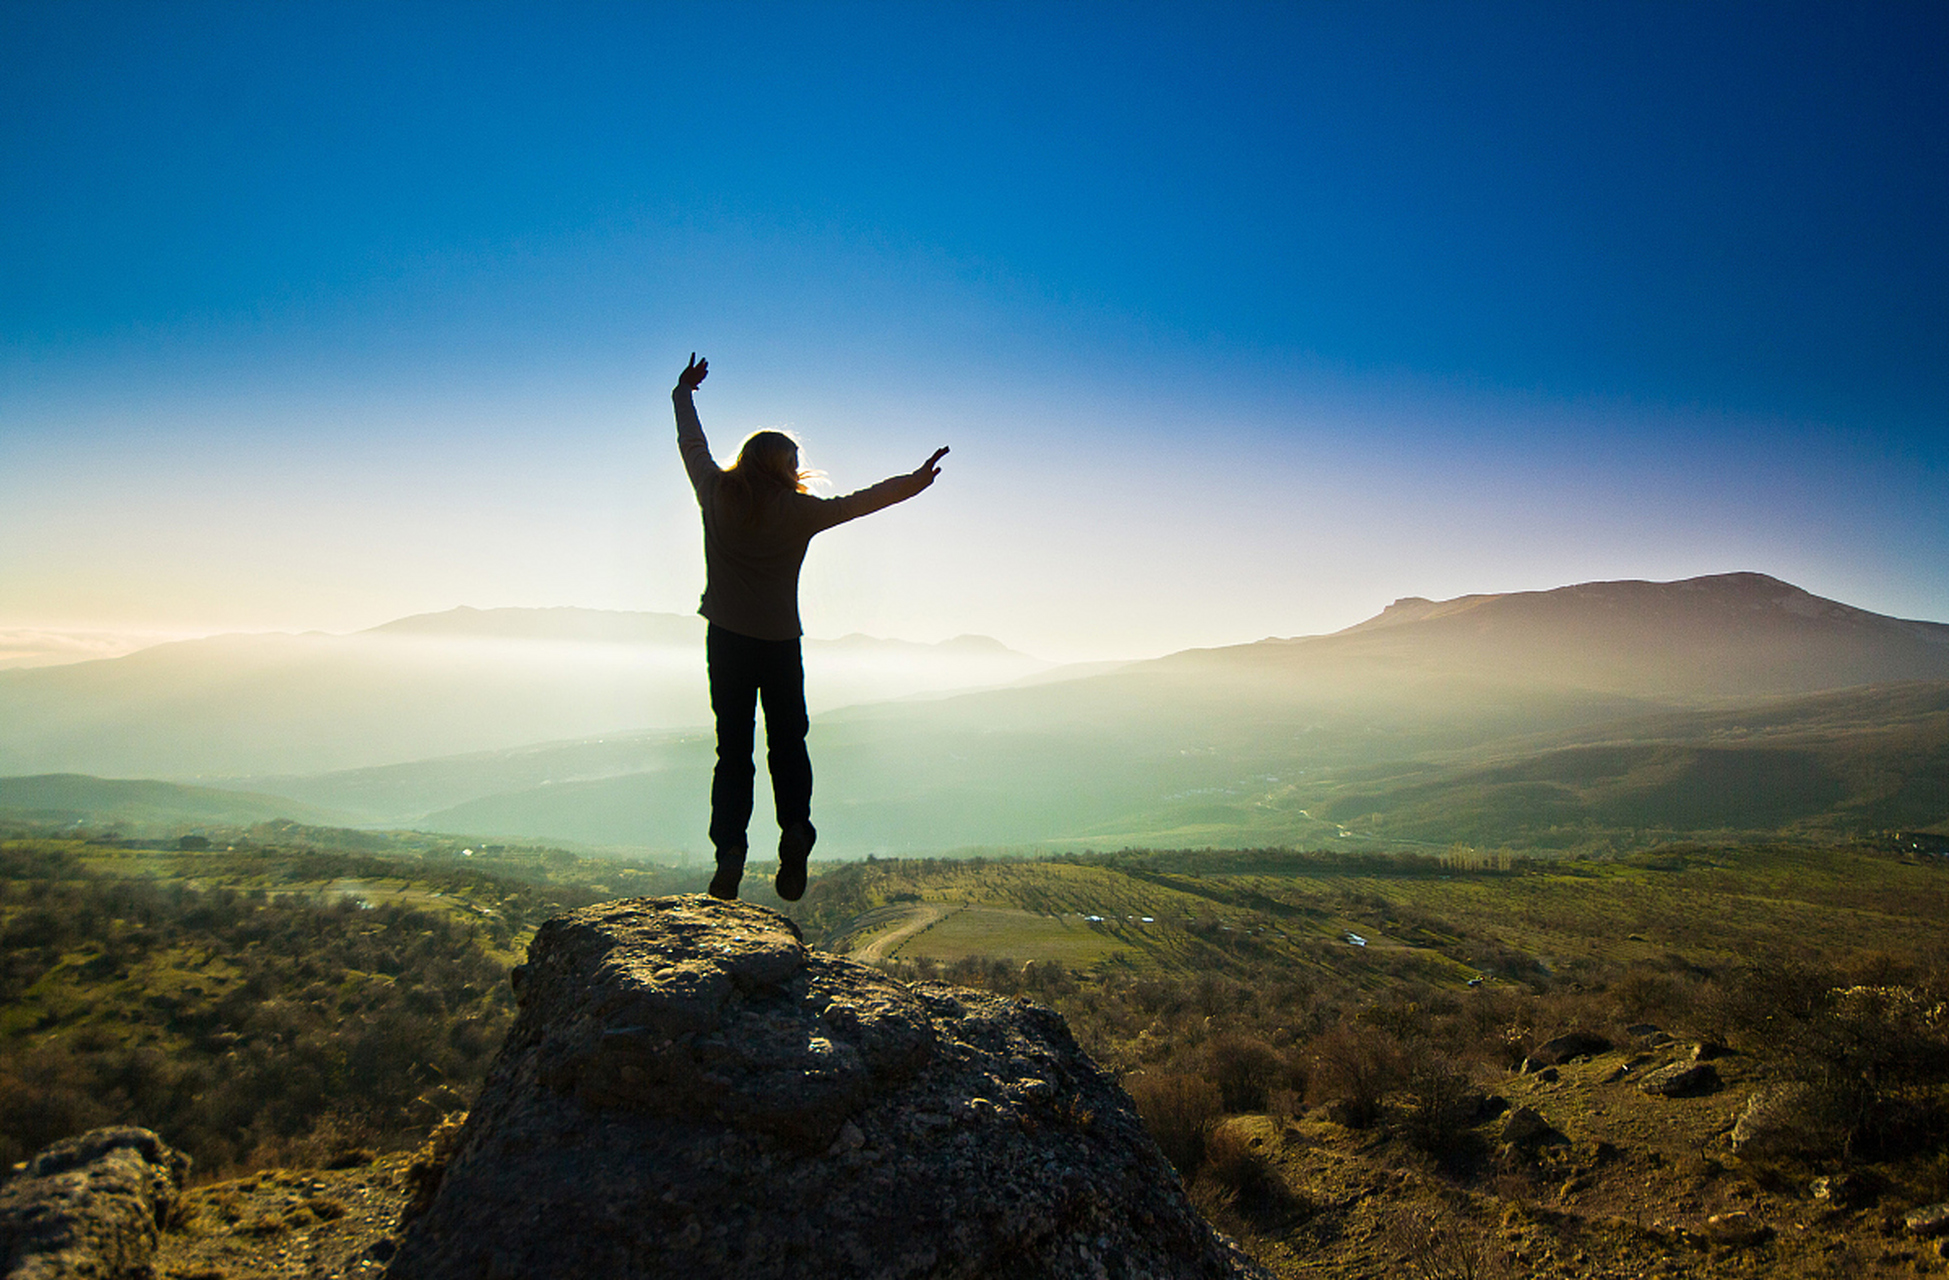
point(1614, 711)
point(607, 626)
point(403, 795)
point(466, 680)
point(1729, 635)
point(65, 798)
point(1325, 739)
point(602, 626)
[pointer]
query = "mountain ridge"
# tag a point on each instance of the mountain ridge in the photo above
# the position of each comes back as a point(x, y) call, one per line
point(79, 799)
point(1735, 634)
point(1749, 590)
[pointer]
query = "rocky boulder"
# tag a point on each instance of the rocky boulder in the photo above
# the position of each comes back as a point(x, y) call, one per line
point(1524, 1127)
point(687, 1090)
point(1738, 1229)
point(1681, 1080)
point(1844, 1190)
point(90, 1206)
point(1561, 1049)
point(1784, 1119)
point(1930, 1220)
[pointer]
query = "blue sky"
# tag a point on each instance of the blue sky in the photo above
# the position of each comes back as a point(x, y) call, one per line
point(1241, 319)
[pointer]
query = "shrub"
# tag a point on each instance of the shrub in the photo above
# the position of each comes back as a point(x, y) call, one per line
point(1239, 1181)
point(1443, 1247)
point(1402, 1019)
point(1442, 1107)
point(1867, 1060)
point(1177, 1109)
point(1357, 1065)
point(1873, 1056)
point(1639, 995)
point(1284, 1104)
point(1245, 1069)
point(297, 1024)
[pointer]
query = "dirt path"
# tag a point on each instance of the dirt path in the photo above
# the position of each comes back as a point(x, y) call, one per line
point(919, 916)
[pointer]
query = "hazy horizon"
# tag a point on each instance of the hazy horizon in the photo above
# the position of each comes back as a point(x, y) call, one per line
point(1241, 320)
point(25, 647)
point(22, 648)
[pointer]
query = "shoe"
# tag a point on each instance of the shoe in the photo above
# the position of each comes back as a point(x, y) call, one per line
point(794, 847)
point(730, 870)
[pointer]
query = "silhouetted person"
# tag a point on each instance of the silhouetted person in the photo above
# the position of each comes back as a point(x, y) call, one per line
point(758, 519)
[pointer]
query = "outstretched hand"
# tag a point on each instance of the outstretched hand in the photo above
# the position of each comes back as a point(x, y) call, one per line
point(927, 470)
point(693, 373)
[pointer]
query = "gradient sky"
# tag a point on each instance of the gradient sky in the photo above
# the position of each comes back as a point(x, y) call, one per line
point(1241, 319)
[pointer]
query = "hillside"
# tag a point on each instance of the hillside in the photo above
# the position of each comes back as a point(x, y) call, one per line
point(1351, 1059)
point(1355, 1061)
point(1857, 760)
point(63, 799)
point(306, 987)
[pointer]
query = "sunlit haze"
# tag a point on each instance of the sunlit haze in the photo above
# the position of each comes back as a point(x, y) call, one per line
point(1241, 320)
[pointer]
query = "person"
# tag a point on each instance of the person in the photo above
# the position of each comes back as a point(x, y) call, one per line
point(758, 518)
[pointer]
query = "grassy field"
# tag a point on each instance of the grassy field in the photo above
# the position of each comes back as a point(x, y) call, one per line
point(963, 931)
point(1185, 912)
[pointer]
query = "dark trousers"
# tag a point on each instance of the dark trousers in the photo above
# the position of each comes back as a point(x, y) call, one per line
point(742, 671)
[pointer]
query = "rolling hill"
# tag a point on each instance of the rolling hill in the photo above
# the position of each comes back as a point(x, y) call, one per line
point(64, 799)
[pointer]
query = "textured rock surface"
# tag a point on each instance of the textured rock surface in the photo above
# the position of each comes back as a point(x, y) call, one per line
point(1782, 1119)
point(1930, 1220)
point(688, 1091)
point(1523, 1127)
point(89, 1206)
point(1554, 1053)
point(1681, 1080)
point(1739, 1228)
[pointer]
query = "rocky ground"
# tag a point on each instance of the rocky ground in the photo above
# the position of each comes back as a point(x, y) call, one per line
point(282, 1224)
point(1621, 1184)
point(1616, 1182)
point(689, 1090)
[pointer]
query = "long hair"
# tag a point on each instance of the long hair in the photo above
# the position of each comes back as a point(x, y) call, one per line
point(767, 465)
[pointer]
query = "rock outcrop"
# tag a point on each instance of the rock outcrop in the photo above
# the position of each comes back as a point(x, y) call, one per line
point(689, 1091)
point(1929, 1220)
point(91, 1206)
point(1565, 1048)
point(1523, 1127)
point(1681, 1080)
point(1784, 1119)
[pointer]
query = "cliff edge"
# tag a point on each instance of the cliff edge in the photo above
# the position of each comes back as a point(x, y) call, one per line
point(688, 1090)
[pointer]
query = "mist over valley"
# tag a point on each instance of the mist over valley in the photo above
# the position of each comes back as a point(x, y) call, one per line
point(465, 680)
point(1612, 714)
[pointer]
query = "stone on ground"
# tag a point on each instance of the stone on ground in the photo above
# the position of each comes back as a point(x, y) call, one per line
point(689, 1091)
point(90, 1206)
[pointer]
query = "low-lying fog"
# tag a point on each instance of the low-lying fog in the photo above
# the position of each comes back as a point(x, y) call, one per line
point(259, 704)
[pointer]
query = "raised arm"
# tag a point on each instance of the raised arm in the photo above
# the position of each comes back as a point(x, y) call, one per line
point(884, 494)
point(691, 444)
